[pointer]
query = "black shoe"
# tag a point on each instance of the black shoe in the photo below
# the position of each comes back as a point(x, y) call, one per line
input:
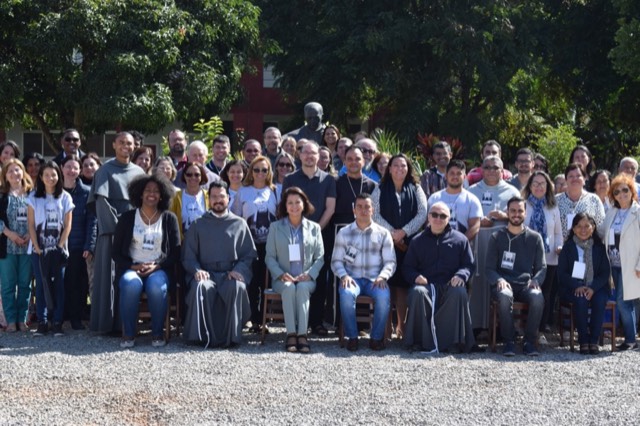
point(584, 349)
point(594, 349)
point(627, 346)
point(319, 330)
point(352, 345)
point(376, 345)
point(475, 349)
point(42, 329)
point(57, 329)
point(77, 325)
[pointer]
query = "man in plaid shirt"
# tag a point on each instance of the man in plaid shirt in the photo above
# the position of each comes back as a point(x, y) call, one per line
point(364, 259)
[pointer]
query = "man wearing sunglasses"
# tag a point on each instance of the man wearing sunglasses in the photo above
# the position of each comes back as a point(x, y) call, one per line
point(70, 142)
point(438, 265)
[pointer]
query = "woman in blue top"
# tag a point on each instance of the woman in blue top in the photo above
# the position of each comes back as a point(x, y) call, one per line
point(15, 263)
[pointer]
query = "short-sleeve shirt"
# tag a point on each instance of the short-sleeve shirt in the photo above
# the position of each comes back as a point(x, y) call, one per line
point(49, 215)
point(463, 206)
point(318, 188)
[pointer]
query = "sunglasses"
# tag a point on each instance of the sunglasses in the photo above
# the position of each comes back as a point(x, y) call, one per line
point(193, 175)
point(618, 191)
point(368, 151)
point(70, 139)
point(287, 165)
point(256, 170)
point(438, 215)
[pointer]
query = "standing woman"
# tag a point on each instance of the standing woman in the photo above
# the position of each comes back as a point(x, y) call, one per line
point(49, 216)
point(399, 205)
point(9, 150)
point(330, 138)
point(294, 256)
point(146, 246)
point(325, 162)
point(256, 203)
point(380, 162)
point(90, 164)
point(582, 155)
point(585, 287)
point(289, 145)
point(576, 200)
point(191, 202)
point(599, 184)
point(543, 216)
point(32, 162)
point(620, 232)
point(82, 243)
point(143, 157)
point(233, 174)
point(285, 164)
point(15, 262)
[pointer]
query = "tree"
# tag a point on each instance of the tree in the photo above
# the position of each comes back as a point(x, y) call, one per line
point(434, 66)
point(96, 64)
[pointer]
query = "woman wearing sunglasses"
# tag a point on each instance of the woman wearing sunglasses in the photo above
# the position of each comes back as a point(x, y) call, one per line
point(256, 203)
point(285, 164)
point(191, 202)
point(620, 233)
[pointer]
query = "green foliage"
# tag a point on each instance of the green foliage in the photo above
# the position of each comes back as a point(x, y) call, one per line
point(96, 64)
point(556, 144)
point(389, 141)
point(209, 129)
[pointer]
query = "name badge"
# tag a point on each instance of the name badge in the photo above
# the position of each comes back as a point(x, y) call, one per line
point(579, 270)
point(508, 260)
point(453, 220)
point(350, 254)
point(612, 238)
point(294, 253)
point(570, 217)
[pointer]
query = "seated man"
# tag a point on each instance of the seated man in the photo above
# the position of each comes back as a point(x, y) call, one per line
point(515, 269)
point(438, 264)
point(364, 259)
point(217, 258)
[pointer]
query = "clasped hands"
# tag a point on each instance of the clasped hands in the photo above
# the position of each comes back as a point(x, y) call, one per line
point(288, 278)
point(202, 275)
point(455, 281)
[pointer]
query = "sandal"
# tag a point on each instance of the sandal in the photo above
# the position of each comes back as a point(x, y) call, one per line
point(291, 344)
point(320, 330)
point(303, 345)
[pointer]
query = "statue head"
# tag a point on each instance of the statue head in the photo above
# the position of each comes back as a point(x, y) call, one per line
point(313, 115)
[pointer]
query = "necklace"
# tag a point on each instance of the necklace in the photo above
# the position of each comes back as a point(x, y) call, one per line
point(149, 219)
point(351, 186)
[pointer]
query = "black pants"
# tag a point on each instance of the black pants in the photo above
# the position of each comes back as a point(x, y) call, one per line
point(258, 284)
point(76, 286)
point(324, 281)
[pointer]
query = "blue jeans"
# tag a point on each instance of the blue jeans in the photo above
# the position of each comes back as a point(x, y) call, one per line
point(625, 307)
point(520, 293)
point(58, 293)
point(131, 287)
point(381, 307)
point(589, 326)
point(15, 278)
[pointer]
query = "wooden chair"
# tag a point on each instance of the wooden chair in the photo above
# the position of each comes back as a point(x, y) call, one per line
point(565, 314)
point(173, 311)
point(271, 309)
point(364, 314)
point(520, 313)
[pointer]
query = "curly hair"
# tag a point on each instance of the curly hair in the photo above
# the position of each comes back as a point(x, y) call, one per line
point(139, 183)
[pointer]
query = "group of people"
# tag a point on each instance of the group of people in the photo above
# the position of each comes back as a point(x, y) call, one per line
point(435, 248)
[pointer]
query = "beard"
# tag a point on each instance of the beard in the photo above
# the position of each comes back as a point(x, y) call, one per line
point(516, 221)
point(177, 149)
point(219, 208)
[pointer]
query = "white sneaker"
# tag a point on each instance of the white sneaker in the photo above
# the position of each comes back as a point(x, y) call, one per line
point(158, 343)
point(542, 340)
point(127, 344)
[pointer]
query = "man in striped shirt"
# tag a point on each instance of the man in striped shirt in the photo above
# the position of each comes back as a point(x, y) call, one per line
point(364, 259)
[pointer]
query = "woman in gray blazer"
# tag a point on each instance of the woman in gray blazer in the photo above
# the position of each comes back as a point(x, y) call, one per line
point(294, 258)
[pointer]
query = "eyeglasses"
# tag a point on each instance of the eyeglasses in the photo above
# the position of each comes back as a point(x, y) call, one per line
point(618, 191)
point(368, 151)
point(287, 165)
point(70, 139)
point(538, 184)
point(256, 170)
point(438, 215)
point(491, 168)
point(193, 175)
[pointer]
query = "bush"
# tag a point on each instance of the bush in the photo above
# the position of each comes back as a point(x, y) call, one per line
point(556, 145)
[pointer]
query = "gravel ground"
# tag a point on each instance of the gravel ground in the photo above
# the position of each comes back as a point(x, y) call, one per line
point(85, 379)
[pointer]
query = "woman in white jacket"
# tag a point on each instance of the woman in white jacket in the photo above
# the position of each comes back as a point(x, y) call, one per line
point(620, 232)
point(543, 216)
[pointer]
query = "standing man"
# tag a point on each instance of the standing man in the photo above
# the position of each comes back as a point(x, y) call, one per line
point(364, 259)
point(438, 265)
point(221, 148)
point(197, 153)
point(493, 193)
point(313, 129)
point(218, 270)
point(464, 207)
point(70, 142)
point(490, 147)
point(341, 150)
point(515, 270)
point(320, 187)
point(350, 185)
point(109, 198)
point(435, 179)
point(524, 164)
point(272, 140)
point(177, 146)
point(369, 150)
point(250, 150)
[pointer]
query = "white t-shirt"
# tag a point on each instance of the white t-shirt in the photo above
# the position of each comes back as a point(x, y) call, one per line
point(49, 215)
point(258, 208)
point(192, 208)
point(146, 242)
point(463, 206)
